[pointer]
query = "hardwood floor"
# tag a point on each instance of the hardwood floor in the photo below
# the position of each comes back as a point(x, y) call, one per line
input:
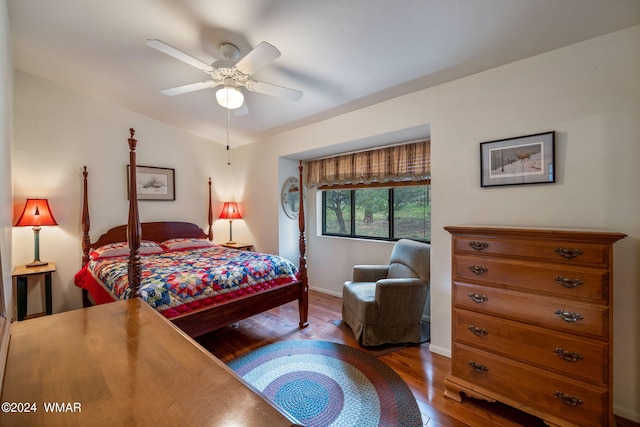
point(422, 370)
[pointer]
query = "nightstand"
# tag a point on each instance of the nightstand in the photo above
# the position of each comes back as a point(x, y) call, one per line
point(239, 246)
point(22, 273)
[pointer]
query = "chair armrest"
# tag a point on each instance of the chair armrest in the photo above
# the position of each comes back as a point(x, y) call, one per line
point(403, 298)
point(369, 273)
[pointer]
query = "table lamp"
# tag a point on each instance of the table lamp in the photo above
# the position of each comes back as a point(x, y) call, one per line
point(230, 212)
point(35, 214)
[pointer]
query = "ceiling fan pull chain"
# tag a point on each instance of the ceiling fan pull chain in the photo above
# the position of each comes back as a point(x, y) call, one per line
point(228, 150)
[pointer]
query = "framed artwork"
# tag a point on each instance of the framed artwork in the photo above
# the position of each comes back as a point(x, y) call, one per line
point(290, 197)
point(153, 183)
point(527, 159)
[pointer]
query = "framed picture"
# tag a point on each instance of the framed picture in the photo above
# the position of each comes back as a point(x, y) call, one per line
point(153, 183)
point(524, 160)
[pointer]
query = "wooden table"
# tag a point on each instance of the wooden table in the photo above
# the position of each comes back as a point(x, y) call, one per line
point(123, 364)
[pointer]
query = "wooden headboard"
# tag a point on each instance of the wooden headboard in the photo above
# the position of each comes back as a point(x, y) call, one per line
point(154, 231)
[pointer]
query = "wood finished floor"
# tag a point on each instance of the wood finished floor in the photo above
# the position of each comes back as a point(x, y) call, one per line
point(422, 370)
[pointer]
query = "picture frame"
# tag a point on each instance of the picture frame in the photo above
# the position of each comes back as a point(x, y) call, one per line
point(290, 197)
point(528, 159)
point(153, 183)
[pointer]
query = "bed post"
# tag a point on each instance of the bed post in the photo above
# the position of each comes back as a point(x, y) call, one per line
point(86, 225)
point(303, 301)
point(134, 229)
point(210, 213)
point(86, 222)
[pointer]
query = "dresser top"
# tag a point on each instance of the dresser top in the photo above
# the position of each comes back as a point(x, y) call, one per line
point(576, 234)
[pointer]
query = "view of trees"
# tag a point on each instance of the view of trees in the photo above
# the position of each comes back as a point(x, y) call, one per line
point(338, 208)
point(370, 202)
point(389, 213)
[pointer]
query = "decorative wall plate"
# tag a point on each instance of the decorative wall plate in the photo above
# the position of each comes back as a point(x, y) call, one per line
point(290, 197)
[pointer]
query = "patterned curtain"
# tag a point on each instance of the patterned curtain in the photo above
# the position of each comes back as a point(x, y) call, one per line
point(392, 164)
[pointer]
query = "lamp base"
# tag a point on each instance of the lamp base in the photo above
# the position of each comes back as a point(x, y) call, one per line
point(230, 242)
point(37, 263)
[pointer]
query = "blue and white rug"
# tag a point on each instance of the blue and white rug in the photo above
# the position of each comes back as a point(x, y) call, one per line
point(322, 383)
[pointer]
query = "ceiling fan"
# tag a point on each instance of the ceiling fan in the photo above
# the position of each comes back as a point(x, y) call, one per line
point(230, 73)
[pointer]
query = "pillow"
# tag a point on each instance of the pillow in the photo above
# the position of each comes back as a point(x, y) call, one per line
point(111, 250)
point(180, 243)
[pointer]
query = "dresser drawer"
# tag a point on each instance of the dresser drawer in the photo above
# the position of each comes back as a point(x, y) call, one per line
point(580, 358)
point(545, 311)
point(546, 278)
point(573, 401)
point(575, 253)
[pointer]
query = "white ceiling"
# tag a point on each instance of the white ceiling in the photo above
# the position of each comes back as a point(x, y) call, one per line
point(343, 54)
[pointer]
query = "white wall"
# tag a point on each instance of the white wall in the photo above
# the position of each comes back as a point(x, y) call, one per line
point(6, 104)
point(588, 93)
point(57, 132)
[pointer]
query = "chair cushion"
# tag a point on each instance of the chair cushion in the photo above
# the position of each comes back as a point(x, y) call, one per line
point(398, 270)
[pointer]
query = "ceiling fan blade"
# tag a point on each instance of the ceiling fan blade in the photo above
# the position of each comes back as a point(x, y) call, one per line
point(274, 90)
point(260, 56)
point(178, 54)
point(242, 111)
point(179, 90)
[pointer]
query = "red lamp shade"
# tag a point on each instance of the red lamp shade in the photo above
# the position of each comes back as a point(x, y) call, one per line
point(36, 213)
point(230, 211)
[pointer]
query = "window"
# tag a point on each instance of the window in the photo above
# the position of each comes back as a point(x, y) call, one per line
point(383, 213)
point(380, 193)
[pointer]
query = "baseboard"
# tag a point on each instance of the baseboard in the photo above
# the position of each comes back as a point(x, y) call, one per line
point(627, 414)
point(440, 350)
point(324, 291)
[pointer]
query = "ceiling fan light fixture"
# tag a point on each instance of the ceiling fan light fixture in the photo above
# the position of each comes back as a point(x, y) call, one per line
point(229, 97)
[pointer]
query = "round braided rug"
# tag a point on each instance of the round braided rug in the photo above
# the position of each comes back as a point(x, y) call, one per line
point(322, 383)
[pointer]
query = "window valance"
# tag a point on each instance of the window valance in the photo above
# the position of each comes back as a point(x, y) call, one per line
point(391, 164)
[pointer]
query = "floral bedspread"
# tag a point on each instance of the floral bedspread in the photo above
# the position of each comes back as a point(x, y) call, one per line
point(178, 282)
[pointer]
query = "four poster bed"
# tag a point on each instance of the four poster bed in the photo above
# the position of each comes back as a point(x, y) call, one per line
point(177, 269)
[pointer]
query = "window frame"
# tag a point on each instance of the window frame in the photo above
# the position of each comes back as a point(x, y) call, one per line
point(390, 210)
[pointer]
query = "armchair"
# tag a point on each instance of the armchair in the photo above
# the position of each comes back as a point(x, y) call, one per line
point(383, 304)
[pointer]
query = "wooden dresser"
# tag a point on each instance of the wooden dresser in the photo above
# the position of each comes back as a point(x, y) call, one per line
point(532, 321)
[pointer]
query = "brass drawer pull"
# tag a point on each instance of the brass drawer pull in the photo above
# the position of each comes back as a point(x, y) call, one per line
point(568, 282)
point(478, 269)
point(478, 246)
point(478, 331)
point(568, 399)
point(567, 355)
point(568, 316)
point(568, 253)
point(478, 298)
point(478, 367)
